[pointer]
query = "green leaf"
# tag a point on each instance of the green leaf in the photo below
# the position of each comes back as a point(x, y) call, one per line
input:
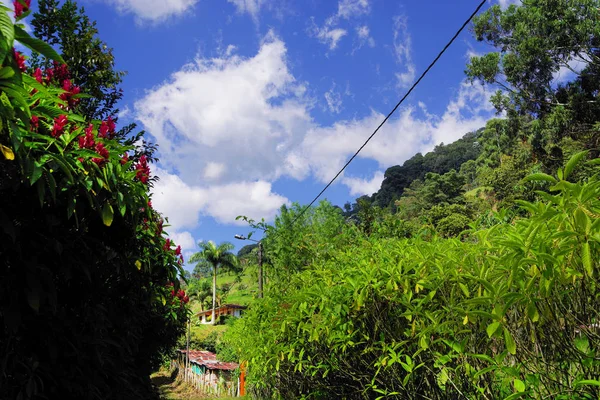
point(539, 177)
point(6, 72)
point(492, 328)
point(36, 173)
point(586, 258)
point(107, 214)
point(464, 289)
point(589, 382)
point(7, 29)
point(36, 44)
point(572, 163)
point(510, 342)
point(519, 385)
point(532, 312)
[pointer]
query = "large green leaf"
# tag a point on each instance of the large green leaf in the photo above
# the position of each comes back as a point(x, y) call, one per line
point(107, 214)
point(572, 163)
point(7, 29)
point(36, 45)
point(539, 177)
point(510, 342)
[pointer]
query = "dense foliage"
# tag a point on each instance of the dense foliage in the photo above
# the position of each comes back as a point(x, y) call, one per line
point(89, 284)
point(474, 271)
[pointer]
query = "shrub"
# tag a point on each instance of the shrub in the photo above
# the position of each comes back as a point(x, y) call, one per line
point(89, 295)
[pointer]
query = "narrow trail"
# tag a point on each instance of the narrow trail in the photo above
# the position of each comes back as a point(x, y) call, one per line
point(172, 389)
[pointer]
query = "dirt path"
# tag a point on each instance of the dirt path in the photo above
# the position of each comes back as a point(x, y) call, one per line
point(171, 389)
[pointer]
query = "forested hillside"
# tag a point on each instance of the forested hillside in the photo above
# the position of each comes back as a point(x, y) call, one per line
point(473, 271)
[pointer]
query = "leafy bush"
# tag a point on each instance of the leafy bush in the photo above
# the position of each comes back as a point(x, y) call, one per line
point(511, 312)
point(89, 296)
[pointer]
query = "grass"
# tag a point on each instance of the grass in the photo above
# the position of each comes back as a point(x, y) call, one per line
point(241, 293)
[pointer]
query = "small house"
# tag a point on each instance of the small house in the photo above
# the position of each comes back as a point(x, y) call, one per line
point(234, 310)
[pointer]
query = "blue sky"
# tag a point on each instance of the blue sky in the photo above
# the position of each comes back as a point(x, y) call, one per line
point(258, 103)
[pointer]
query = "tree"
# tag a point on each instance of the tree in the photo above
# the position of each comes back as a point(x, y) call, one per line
point(547, 68)
point(219, 256)
point(91, 62)
point(89, 285)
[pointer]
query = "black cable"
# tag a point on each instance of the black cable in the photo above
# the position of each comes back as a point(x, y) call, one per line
point(394, 109)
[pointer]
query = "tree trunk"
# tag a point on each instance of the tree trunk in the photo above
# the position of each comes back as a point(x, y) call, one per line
point(214, 293)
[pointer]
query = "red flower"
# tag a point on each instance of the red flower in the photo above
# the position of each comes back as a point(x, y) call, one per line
point(124, 159)
point(100, 149)
point(61, 71)
point(149, 203)
point(38, 75)
point(107, 128)
point(35, 122)
point(59, 125)
point(20, 8)
point(69, 91)
point(49, 75)
point(178, 251)
point(142, 170)
point(87, 141)
point(181, 293)
point(167, 245)
point(186, 299)
point(20, 60)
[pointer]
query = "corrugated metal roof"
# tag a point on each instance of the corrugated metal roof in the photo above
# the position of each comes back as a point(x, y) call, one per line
point(209, 360)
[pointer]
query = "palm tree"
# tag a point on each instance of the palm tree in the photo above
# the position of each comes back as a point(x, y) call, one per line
point(219, 256)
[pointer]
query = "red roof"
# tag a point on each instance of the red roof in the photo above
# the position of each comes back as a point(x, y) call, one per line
point(209, 360)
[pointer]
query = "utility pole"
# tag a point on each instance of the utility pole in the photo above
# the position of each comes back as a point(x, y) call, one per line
point(260, 270)
point(260, 263)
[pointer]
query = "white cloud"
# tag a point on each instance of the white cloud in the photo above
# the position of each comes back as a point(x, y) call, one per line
point(326, 149)
point(334, 100)
point(184, 204)
point(403, 52)
point(213, 171)
point(330, 34)
point(353, 8)
point(185, 240)
point(506, 3)
point(242, 113)
point(154, 10)
point(359, 187)
point(327, 34)
point(229, 126)
point(251, 7)
point(364, 36)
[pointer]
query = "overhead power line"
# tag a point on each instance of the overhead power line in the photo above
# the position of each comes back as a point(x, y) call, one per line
point(394, 109)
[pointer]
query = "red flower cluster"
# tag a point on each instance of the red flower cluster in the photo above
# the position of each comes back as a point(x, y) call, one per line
point(35, 123)
point(167, 245)
point(180, 293)
point(182, 296)
point(107, 128)
point(59, 125)
point(142, 170)
point(20, 60)
point(60, 72)
point(87, 141)
point(20, 8)
point(103, 152)
point(70, 90)
point(124, 159)
point(38, 75)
